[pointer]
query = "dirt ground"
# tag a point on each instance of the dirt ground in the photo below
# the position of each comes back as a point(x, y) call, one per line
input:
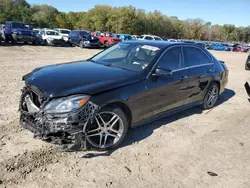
point(194, 148)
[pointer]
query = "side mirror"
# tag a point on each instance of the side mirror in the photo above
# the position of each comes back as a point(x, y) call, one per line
point(162, 73)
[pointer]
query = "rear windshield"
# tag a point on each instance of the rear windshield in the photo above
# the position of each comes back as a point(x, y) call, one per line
point(64, 31)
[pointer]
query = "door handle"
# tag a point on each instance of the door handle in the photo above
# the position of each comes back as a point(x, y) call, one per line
point(183, 78)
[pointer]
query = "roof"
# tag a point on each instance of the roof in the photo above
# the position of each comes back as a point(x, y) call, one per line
point(157, 43)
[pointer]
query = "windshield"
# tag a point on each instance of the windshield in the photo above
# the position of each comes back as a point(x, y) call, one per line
point(111, 35)
point(83, 33)
point(134, 57)
point(16, 25)
point(157, 38)
point(52, 33)
point(64, 31)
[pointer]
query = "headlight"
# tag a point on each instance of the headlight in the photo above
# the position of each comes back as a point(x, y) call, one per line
point(86, 42)
point(50, 38)
point(19, 32)
point(66, 104)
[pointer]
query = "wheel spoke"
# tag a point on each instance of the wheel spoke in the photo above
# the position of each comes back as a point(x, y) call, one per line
point(115, 131)
point(97, 121)
point(113, 120)
point(105, 140)
point(100, 141)
point(94, 130)
point(103, 122)
point(96, 134)
point(115, 136)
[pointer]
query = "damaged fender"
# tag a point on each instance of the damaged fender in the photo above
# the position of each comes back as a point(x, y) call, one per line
point(61, 129)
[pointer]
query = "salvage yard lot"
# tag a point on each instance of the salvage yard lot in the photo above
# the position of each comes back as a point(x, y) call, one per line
point(177, 151)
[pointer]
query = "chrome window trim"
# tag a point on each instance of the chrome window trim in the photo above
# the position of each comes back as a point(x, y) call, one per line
point(184, 62)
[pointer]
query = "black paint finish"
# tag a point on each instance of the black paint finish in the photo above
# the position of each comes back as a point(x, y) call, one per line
point(143, 94)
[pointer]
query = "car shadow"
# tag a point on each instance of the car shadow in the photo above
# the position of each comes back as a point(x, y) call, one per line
point(142, 132)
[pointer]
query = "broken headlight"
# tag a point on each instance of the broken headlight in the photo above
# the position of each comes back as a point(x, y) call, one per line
point(66, 104)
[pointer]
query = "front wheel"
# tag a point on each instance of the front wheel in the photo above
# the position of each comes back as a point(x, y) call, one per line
point(108, 130)
point(106, 44)
point(211, 96)
point(81, 44)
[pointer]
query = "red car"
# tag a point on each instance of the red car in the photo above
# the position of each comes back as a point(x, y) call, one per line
point(238, 48)
point(107, 39)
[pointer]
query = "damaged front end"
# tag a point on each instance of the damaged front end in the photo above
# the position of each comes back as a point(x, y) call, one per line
point(66, 129)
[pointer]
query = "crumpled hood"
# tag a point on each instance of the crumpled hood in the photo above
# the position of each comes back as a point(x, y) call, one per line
point(79, 78)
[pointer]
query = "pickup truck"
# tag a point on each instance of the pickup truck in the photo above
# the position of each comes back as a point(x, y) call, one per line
point(19, 32)
point(107, 39)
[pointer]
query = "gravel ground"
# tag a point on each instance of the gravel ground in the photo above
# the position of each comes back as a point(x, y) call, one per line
point(194, 148)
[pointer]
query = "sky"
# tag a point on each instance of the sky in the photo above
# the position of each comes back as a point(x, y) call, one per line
point(221, 12)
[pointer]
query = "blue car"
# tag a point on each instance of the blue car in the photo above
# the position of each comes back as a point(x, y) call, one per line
point(125, 37)
point(217, 46)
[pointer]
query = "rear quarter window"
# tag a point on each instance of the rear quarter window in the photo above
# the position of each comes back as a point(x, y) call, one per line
point(195, 56)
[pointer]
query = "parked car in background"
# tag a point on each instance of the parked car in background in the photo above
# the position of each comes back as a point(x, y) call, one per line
point(164, 38)
point(19, 32)
point(150, 37)
point(239, 48)
point(247, 65)
point(217, 46)
point(83, 39)
point(172, 40)
point(64, 33)
point(132, 83)
point(2, 32)
point(136, 36)
point(107, 39)
point(50, 37)
point(125, 37)
point(227, 47)
point(37, 31)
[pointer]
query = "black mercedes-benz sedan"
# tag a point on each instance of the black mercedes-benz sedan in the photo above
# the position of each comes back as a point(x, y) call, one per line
point(93, 103)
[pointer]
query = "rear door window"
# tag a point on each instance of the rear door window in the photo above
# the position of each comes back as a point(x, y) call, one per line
point(194, 56)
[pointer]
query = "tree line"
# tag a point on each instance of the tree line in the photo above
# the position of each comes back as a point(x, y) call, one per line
point(127, 19)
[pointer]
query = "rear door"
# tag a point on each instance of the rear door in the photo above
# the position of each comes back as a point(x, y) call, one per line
point(200, 72)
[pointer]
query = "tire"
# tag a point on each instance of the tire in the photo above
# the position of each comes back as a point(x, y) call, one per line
point(106, 44)
point(209, 101)
point(13, 42)
point(95, 132)
point(81, 44)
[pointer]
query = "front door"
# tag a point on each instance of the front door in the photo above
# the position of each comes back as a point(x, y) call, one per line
point(165, 93)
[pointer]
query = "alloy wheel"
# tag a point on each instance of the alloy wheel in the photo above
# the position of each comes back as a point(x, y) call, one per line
point(212, 96)
point(107, 130)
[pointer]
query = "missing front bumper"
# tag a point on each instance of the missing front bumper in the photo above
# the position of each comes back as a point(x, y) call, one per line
point(65, 129)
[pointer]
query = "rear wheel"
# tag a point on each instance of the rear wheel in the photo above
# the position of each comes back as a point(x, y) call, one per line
point(211, 96)
point(108, 129)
